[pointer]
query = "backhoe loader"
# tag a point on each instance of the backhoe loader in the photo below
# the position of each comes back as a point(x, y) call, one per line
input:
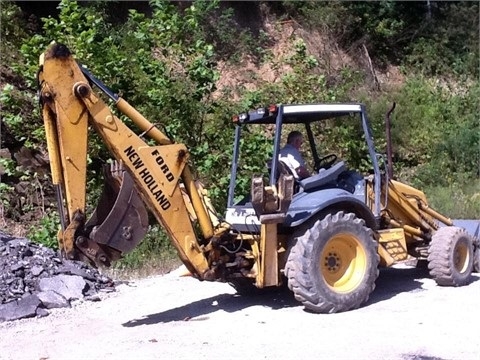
point(325, 236)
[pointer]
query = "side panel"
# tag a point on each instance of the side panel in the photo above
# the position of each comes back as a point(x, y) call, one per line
point(243, 219)
point(306, 205)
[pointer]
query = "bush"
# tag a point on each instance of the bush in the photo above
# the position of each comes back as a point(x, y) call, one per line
point(154, 248)
point(434, 130)
point(457, 201)
point(45, 232)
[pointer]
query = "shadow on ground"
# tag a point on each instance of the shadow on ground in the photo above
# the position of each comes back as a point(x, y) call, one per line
point(419, 357)
point(391, 282)
point(394, 281)
point(274, 299)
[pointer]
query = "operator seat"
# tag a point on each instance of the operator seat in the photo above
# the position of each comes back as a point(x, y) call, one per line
point(324, 177)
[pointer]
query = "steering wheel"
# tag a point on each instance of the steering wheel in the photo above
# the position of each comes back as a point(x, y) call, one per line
point(326, 162)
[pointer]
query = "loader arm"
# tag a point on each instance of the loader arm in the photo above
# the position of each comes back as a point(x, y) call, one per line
point(157, 176)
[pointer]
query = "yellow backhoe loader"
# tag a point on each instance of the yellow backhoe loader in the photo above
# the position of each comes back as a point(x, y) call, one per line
point(325, 236)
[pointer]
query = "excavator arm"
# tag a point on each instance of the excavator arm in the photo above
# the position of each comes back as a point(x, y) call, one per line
point(157, 176)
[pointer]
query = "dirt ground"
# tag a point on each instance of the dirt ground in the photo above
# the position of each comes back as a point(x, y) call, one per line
point(171, 317)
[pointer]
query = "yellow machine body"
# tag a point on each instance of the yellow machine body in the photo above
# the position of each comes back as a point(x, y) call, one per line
point(326, 241)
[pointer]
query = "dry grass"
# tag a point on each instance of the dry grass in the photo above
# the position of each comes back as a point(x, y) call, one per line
point(11, 227)
point(149, 268)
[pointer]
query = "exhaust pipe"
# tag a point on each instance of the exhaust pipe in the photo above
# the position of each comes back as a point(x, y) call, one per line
point(389, 142)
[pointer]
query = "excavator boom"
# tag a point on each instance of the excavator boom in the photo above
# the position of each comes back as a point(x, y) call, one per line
point(157, 176)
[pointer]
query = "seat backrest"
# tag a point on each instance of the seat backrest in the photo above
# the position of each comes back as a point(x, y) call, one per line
point(284, 169)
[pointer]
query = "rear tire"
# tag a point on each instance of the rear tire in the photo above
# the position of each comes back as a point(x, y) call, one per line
point(451, 256)
point(334, 264)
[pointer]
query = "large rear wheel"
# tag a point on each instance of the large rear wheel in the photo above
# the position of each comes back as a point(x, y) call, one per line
point(450, 256)
point(334, 264)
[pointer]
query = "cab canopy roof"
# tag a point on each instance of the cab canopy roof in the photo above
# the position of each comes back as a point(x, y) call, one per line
point(298, 113)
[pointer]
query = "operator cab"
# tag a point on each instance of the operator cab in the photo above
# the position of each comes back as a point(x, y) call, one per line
point(259, 136)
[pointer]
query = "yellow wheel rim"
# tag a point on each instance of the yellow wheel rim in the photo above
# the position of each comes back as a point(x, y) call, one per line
point(343, 263)
point(461, 257)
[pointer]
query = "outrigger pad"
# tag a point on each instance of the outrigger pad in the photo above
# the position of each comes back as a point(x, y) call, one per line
point(120, 220)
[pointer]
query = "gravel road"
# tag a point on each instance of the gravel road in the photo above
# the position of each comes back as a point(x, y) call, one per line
point(171, 317)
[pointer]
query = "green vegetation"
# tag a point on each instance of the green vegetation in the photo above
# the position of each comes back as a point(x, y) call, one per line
point(431, 37)
point(155, 251)
point(458, 201)
point(435, 131)
point(46, 231)
point(166, 65)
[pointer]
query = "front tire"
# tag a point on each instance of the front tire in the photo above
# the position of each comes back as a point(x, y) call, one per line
point(451, 256)
point(334, 264)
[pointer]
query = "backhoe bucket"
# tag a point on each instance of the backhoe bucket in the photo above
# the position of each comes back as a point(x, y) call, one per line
point(120, 220)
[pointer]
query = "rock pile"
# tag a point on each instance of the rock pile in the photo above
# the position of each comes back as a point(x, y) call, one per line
point(34, 278)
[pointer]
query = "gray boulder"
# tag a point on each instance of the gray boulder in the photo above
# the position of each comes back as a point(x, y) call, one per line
point(51, 299)
point(71, 287)
point(19, 309)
